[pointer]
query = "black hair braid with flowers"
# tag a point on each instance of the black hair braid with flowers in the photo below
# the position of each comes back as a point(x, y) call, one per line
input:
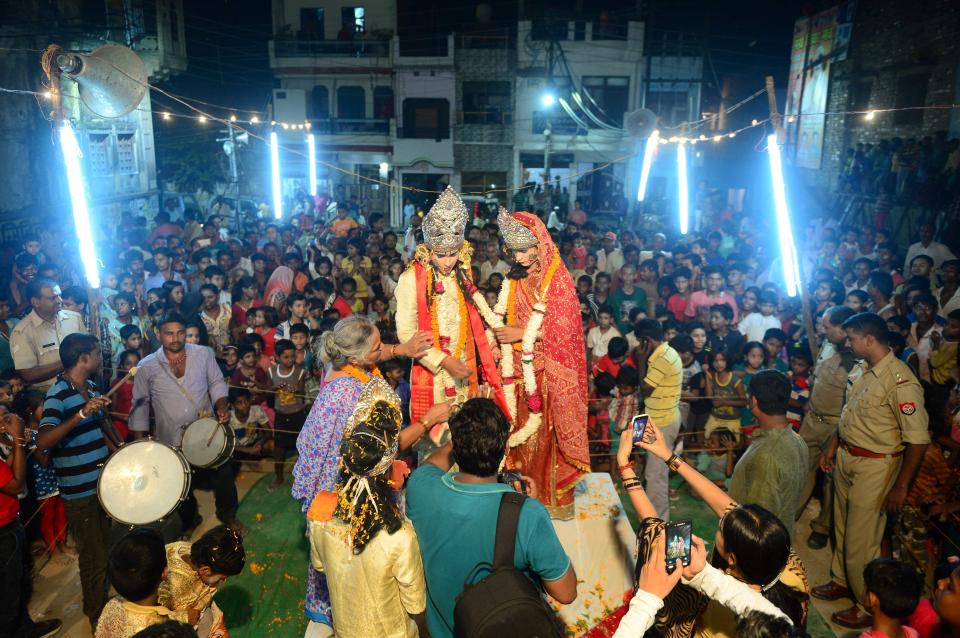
point(369, 511)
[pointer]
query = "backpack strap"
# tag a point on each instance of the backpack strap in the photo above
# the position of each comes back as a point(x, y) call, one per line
point(508, 519)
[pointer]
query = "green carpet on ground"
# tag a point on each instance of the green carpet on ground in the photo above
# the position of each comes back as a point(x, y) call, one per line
point(705, 526)
point(267, 598)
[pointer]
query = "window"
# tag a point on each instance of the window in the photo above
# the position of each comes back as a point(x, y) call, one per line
point(98, 154)
point(352, 20)
point(673, 107)
point(426, 118)
point(382, 102)
point(478, 182)
point(486, 102)
point(911, 91)
point(311, 23)
point(611, 94)
point(351, 103)
point(859, 99)
point(319, 106)
point(126, 154)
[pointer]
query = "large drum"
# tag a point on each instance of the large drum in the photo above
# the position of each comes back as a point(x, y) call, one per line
point(208, 444)
point(143, 482)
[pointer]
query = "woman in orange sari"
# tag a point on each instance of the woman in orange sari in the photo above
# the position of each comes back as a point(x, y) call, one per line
point(548, 442)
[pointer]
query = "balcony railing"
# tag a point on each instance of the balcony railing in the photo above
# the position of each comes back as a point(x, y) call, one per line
point(424, 47)
point(348, 126)
point(559, 124)
point(284, 48)
point(489, 116)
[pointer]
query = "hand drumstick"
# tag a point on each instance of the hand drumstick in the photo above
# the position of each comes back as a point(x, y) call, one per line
point(132, 371)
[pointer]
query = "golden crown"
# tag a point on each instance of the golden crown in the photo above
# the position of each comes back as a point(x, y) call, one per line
point(515, 235)
point(444, 225)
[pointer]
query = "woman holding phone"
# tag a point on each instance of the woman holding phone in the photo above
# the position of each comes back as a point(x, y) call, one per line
point(752, 546)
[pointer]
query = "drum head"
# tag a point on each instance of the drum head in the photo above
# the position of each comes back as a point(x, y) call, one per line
point(203, 442)
point(143, 482)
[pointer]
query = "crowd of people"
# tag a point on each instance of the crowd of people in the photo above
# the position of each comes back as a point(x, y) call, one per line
point(309, 340)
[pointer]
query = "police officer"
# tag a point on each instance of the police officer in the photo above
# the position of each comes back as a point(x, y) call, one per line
point(874, 457)
point(820, 421)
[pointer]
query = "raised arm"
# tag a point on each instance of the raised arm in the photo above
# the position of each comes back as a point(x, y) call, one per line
point(718, 500)
point(638, 497)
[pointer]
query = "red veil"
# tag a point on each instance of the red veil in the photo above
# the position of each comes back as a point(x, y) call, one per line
point(565, 372)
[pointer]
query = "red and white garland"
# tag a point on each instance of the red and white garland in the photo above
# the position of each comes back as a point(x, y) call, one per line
point(495, 319)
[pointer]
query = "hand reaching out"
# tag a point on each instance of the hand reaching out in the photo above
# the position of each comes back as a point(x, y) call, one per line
point(654, 578)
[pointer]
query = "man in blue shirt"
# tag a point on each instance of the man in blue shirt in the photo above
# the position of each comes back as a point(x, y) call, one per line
point(70, 429)
point(455, 516)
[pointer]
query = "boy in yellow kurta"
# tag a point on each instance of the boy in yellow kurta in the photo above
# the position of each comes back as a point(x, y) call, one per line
point(136, 567)
point(195, 572)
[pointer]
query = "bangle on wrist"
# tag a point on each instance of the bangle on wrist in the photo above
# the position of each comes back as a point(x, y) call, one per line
point(82, 415)
point(674, 462)
point(627, 466)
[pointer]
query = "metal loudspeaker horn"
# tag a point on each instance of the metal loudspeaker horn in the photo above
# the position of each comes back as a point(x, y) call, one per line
point(112, 79)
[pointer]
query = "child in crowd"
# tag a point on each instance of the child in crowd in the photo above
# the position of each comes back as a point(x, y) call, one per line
point(265, 324)
point(726, 393)
point(698, 334)
point(677, 303)
point(893, 591)
point(719, 458)
point(132, 339)
point(598, 339)
point(614, 359)
point(251, 427)
point(857, 300)
point(135, 568)
point(755, 324)
point(228, 361)
point(196, 571)
point(42, 477)
point(123, 397)
point(721, 338)
point(625, 405)
point(6, 394)
point(393, 371)
point(800, 364)
point(774, 340)
point(300, 336)
point(288, 382)
point(598, 411)
point(251, 376)
point(754, 355)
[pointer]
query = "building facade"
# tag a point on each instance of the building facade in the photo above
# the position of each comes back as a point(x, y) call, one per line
point(465, 109)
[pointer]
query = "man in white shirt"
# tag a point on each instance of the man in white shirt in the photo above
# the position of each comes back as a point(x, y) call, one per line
point(926, 246)
point(610, 257)
point(492, 262)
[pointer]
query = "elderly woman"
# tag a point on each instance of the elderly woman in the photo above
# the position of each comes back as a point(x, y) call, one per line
point(352, 349)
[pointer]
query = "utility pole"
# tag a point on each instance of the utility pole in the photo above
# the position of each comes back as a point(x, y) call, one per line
point(230, 147)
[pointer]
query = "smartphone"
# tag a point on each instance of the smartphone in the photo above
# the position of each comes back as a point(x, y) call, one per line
point(678, 543)
point(639, 427)
point(513, 479)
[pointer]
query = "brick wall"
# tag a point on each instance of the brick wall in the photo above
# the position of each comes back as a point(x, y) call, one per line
point(890, 39)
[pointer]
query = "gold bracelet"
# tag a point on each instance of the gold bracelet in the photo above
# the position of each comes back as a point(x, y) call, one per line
point(674, 462)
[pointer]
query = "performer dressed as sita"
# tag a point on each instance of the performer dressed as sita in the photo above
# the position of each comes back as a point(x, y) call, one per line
point(432, 295)
point(544, 379)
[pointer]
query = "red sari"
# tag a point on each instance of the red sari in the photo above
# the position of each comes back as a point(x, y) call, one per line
point(557, 456)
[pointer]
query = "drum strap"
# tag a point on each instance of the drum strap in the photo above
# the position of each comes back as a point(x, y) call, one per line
point(176, 382)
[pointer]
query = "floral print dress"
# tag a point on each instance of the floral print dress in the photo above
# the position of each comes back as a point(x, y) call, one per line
point(318, 467)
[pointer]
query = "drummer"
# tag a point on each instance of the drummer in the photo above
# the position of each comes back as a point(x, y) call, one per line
point(71, 427)
point(180, 382)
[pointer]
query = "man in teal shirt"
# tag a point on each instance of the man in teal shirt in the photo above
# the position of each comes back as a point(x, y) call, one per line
point(455, 516)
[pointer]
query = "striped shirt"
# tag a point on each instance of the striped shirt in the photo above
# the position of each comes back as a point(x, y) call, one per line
point(665, 376)
point(78, 456)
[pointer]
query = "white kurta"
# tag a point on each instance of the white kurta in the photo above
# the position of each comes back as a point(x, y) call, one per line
point(448, 324)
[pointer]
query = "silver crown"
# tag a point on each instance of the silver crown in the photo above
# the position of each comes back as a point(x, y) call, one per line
point(444, 225)
point(515, 235)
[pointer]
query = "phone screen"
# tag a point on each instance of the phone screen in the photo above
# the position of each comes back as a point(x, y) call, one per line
point(678, 543)
point(639, 427)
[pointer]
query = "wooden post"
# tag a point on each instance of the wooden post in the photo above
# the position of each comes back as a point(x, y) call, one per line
point(808, 326)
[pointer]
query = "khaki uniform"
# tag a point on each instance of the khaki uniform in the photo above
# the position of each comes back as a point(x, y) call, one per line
point(35, 342)
point(883, 411)
point(829, 381)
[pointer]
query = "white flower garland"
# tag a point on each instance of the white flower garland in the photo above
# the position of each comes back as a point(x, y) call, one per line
point(494, 318)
